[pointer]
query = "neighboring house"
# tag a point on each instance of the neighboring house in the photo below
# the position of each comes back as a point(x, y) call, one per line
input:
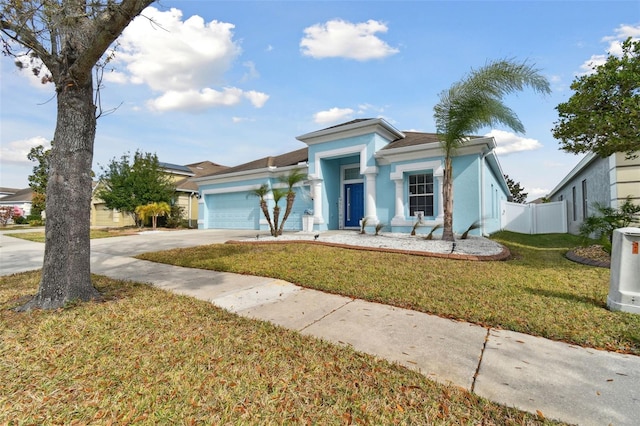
point(606, 181)
point(101, 215)
point(20, 199)
point(187, 190)
point(7, 191)
point(363, 169)
point(186, 195)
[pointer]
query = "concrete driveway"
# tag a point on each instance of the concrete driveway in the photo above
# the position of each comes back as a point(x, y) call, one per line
point(18, 255)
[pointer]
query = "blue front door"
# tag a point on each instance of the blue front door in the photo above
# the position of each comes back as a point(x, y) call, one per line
point(353, 204)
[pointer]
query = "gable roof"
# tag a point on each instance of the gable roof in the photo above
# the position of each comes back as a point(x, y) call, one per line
point(175, 168)
point(202, 168)
point(413, 139)
point(292, 158)
point(8, 191)
point(21, 196)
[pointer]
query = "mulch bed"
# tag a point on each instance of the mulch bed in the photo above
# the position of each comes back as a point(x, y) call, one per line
point(592, 255)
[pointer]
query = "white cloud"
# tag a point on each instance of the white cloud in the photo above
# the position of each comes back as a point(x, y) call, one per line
point(196, 100)
point(252, 72)
point(533, 193)
point(257, 99)
point(185, 61)
point(241, 119)
point(16, 152)
point(614, 47)
point(332, 115)
point(508, 142)
point(338, 38)
point(166, 53)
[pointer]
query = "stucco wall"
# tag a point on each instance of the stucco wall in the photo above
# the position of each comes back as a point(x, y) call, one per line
point(596, 175)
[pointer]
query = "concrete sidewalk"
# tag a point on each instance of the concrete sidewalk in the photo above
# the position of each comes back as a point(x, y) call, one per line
point(562, 381)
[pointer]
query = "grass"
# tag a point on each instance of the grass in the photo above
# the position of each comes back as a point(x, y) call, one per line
point(38, 236)
point(146, 357)
point(538, 291)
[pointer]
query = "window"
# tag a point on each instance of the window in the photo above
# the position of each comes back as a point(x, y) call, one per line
point(584, 199)
point(352, 173)
point(421, 194)
point(573, 203)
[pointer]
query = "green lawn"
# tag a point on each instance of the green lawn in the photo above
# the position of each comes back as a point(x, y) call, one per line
point(38, 236)
point(538, 291)
point(146, 357)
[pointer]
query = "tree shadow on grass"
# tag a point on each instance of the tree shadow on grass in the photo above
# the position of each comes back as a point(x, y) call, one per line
point(568, 296)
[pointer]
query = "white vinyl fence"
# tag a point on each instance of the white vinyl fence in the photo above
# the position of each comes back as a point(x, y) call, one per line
point(546, 218)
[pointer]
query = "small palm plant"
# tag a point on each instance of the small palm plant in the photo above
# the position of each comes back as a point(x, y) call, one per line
point(415, 226)
point(474, 225)
point(153, 210)
point(261, 192)
point(379, 227)
point(363, 225)
point(293, 178)
point(430, 235)
point(278, 194)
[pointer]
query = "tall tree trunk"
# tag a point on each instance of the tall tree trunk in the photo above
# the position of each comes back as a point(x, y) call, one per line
point(291, 196)
point(447, 195)
point(265, 211)
point(66, 271)
point(276, 216)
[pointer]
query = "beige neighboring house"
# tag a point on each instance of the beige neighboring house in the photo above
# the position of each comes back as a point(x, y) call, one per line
point(102, 216)
point(186, 195)
point(186, 190)
point(607, 181)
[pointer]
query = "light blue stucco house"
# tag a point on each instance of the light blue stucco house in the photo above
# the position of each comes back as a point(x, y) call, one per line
point(365, 168)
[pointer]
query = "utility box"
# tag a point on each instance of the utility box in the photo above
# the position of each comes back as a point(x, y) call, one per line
point(624, 287)
point(307, 223)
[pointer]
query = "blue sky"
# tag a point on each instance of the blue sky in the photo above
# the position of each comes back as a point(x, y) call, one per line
point(234, 81)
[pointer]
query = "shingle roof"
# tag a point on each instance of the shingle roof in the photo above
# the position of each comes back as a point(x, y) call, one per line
point(288, 159)
point(203, 168)
point(176, 167)
point(21, 196)
point(412, 139)
point(8, 191)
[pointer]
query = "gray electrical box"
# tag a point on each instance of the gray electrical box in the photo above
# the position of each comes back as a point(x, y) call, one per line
point(624, 287)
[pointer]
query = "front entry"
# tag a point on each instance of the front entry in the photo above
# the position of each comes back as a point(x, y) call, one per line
point(354, 204)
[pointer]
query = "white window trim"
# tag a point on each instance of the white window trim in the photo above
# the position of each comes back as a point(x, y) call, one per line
point(399, 177)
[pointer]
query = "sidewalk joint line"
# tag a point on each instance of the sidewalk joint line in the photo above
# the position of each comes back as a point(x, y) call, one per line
point(484, 346)
point(325, 315)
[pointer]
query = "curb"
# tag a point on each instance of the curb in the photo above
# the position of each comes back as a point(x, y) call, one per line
point(503, 255)
point(572, 256)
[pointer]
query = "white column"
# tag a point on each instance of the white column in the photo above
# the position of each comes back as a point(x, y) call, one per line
point(438, 175)
point(399, 215)
point(370, 198)
point(316, 193)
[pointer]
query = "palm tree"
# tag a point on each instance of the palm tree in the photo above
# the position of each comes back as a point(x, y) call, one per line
point(293, 178)
point(153, 210)
point(474, 103)
point(278, 194)
point(262, 192)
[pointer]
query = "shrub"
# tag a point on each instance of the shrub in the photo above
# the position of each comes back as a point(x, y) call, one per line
point(20, 220)
point(175, 217)
point(607, 219)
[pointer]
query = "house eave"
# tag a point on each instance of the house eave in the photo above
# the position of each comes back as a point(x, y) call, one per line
point(262, 173)
point(433, 149)
point(376, 125)
point(582, 164)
